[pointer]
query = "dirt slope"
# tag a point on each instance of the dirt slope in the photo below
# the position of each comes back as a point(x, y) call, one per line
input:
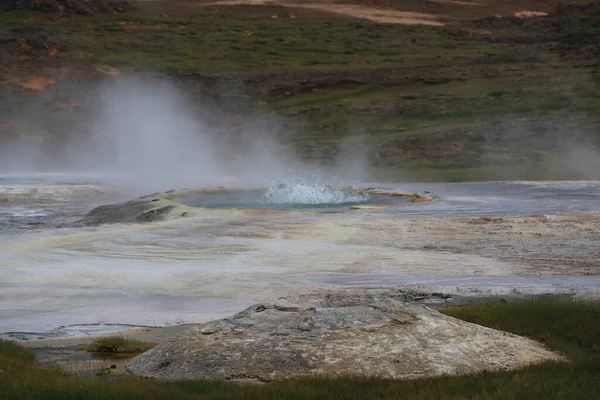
point(375, 14)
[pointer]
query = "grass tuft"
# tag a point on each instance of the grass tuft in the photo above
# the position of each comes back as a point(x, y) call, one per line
point(571, 326)
point(119, 344)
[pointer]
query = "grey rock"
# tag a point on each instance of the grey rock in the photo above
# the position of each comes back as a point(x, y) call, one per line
point(151, 208)
point(373, 333)
point(144, 209)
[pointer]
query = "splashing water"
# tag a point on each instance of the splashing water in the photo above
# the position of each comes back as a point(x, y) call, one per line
point(298, 191)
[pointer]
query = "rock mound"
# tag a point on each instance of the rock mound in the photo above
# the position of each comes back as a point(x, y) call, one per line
point(151, 208)
point(379, 333)
point(83, 7)
point(143, 209)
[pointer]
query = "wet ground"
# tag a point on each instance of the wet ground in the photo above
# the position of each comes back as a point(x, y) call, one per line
point(479, 239)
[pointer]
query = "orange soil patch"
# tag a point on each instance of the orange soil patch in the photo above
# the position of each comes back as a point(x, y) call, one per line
point(46, 19)
point(107, 70)
point(380, 15)
point(23, 43)
point(8, 127)
point(20, 58)
point(529, 14)
point(29, 82)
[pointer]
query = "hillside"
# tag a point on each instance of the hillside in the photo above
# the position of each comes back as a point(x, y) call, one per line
point(444, 90)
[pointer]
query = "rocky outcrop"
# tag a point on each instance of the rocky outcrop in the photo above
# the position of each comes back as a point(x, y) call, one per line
point(374, 333)
point(151, 208)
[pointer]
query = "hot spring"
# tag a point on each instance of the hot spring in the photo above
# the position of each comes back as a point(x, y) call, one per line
point(286, 195)
point(477, 238)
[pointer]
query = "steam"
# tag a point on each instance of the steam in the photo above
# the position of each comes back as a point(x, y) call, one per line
point(147, 135)
point(555, 147)
point(352, 161)
point(147, 132)
point(583, 160)
point(299, 191)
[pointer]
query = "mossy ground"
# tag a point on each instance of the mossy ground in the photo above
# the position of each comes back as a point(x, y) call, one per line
point(118, 344)
point(569, 326)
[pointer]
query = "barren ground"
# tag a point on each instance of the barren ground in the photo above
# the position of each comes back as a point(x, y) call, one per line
point(375, 14)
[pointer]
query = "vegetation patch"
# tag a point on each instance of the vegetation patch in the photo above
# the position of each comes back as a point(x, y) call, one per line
point(408, 91)
point(119, 344)
point(569, 326)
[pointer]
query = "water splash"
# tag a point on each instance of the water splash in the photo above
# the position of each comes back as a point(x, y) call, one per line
point(299, 191)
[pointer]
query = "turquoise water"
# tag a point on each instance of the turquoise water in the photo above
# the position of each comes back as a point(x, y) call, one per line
point(284, 194)
point(258, 199)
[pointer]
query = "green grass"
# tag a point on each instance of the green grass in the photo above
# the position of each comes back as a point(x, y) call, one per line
point(234, 39)
point(118, 344)
point(569, 326)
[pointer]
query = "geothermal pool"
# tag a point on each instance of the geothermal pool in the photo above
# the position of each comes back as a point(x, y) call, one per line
point(286, 195)
point(59, 277)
